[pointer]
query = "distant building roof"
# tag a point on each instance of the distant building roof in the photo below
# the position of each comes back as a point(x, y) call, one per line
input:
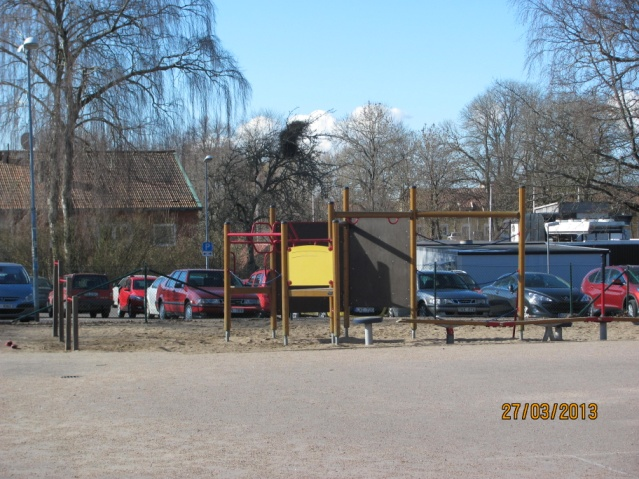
point(123, 180)
point(576, 210)
point(15, 187)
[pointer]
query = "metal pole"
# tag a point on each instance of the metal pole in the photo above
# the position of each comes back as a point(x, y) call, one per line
point(490, 208)
point(29, 44)
point(412, 282)
point(522, 259)
point(206, 203)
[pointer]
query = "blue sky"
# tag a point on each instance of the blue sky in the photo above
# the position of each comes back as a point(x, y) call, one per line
point(426, 58)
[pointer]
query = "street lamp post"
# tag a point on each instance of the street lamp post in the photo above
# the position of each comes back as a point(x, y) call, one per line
point(206, 203)
point(31, 44)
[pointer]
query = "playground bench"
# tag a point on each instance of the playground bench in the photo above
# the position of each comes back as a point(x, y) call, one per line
point(367, 321)
point(557, 334)
point(548, 323)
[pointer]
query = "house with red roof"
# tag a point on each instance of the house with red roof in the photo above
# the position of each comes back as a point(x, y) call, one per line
point(113, 194)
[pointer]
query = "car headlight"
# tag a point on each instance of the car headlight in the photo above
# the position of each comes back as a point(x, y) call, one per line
point(29, 298)
point(585, 298)
point(208, 301)
point(250, 302)
point(439, 301)
point(539, 298)
point(136, 298)
point(480, 301)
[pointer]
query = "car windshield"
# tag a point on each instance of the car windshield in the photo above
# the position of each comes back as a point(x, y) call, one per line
point(536, 280)
point(13, 275)
point(633, 274)
point(86, 281)
point(207, 278)
point(470, 282)
point(212, 279)
point(141, 284)
point(441, 281)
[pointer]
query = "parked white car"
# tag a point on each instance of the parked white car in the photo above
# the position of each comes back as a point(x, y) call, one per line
point(116, 291)
point(151, 294)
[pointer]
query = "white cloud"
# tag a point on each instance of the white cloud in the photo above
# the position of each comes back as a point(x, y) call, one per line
point(397, 114)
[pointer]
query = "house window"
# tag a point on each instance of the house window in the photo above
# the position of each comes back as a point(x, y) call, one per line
point(164, 234)
point(121, 231)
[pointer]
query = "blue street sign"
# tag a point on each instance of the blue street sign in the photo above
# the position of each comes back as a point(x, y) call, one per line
point(207, 248)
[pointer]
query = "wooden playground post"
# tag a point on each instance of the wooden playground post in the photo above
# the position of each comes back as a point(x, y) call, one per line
point(331, 299)
point(336, 282)
point(227, 282)
point(522, 259)
point(56, 291)
point(59, 302)
point(69, 315)
point(76, 323)
point(346, 261)
point(413, 259)
point(285, 281)
point(272, 265)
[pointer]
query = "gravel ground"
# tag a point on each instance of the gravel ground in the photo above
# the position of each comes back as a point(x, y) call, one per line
point(175, 400)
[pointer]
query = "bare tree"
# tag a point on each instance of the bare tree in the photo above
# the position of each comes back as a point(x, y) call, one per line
point(437, 173)
point(490, 141)
point(113, 70)
point(267, 162)
point(374, 156)
point(591, 48)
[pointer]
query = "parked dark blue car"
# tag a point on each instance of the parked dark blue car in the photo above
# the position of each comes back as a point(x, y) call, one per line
point(545, 295)
point(16, 292)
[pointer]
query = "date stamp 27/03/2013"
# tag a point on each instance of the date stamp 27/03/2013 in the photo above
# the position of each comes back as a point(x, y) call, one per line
point(549, 411)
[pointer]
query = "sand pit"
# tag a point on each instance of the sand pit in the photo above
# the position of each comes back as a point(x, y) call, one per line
point(248, 335)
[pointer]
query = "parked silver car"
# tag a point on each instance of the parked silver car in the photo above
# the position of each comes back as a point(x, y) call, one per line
point(445, 294)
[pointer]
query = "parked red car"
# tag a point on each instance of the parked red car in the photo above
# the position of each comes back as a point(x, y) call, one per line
point(260, 279)
point(96, 300)
point(131, 295)
point(191, 293)
point(622, 289)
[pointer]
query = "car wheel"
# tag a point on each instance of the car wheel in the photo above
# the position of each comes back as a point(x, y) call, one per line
point(162, 312)
point(120, 311)
point(632, 308)
point(93, 314)
point(422, 310)
point(188, 312)
point(130, 311)
point(106, 312)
